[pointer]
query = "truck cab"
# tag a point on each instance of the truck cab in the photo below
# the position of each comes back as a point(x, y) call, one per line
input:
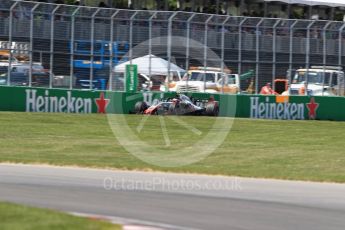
point(318, 81)
point(209, 80)
point(5, 61)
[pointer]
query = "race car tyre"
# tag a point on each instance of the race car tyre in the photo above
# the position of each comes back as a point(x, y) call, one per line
point(140, 107)
point(212, 109)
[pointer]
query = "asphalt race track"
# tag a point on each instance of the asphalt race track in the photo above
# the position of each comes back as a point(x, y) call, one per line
point(177, 201)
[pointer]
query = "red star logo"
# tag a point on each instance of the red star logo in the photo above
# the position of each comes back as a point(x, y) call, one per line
point(102, 103)
point(312, 107)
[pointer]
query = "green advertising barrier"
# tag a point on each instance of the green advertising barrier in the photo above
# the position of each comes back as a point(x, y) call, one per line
point(131, 78)
point(247, 106)
point(53, 100)
point(291, 108)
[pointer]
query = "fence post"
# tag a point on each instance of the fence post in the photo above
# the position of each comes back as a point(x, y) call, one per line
point(188, 46)
point(32, 41)
point(188, 41)
point(131, 36)
point(307, 51)
point(291, 52)
point(340, 57)
point(150, 43)
point(307, 57)
point(324, 53)
point(72, 46)
point(10, 30)
point(222, 50)
point(169, 45)
point(274, 51)
point(205, 48)
point(130, 42)
point(240, 46)
point(340, 54)
point(324, 38)
point(92, 46)
point(111, 73)
point(52, 34)
point(257, 55)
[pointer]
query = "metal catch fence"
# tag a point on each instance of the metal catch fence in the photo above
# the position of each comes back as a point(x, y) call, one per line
point(49, 45)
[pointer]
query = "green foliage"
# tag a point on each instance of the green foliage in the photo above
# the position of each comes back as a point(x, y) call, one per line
point(18, 217)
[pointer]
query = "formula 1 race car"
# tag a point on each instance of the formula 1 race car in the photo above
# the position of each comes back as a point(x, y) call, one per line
point(180, 105)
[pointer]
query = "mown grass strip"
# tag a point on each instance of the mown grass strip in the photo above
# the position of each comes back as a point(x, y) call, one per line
point(19, 217)
point(297, 150)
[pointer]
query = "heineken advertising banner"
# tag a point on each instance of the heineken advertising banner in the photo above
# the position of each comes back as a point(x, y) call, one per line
point(247, 106)
point(291, 108)
point(131, 78)
point(52, 100)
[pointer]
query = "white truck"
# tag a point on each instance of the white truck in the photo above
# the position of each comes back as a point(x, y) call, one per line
point(318, 81)
point(209, 80)
point(4, 61)
point(16, 65)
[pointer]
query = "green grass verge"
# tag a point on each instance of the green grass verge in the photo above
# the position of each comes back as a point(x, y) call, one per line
point(298, 150)
point(18, 217)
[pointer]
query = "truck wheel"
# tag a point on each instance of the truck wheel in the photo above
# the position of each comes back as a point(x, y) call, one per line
point(140, 107)
point(212, 109)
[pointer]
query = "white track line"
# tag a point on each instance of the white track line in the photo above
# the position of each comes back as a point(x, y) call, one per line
point(165, 131)
point(142, 123)
point(186, 125)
